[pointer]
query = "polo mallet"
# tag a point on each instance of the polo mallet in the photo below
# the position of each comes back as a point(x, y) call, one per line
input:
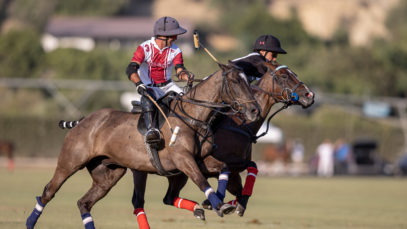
point(175, 131)
point(197, 43)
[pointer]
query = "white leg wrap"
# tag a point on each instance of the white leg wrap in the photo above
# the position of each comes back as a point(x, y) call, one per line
point(223, 177)
point(87, 220)
point(38, 207)
point(208, 192)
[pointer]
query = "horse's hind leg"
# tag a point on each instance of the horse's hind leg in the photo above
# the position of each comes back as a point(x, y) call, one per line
point(139, 181)
point(104, 178)
point(72, 158)
point(61, 174)
point(242, 193)
point(175, 184)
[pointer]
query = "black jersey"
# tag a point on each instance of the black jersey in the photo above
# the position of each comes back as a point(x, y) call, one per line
point(252, 65)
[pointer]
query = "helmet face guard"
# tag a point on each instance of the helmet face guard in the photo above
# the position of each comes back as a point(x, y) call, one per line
point(168, 26)
point(268, 43)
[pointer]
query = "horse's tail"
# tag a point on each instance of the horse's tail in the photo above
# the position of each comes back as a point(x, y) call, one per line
point(68, 124)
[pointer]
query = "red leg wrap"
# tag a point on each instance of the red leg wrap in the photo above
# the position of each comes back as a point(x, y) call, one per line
point(184, 204)
point(233, 202)
point(10, 165)
point(250, 179)
point(141, 218)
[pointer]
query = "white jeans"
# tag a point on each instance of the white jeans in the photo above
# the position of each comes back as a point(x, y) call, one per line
point(161, 91)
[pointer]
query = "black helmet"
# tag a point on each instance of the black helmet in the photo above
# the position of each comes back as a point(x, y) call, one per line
point(269, 43)
point(168, 26)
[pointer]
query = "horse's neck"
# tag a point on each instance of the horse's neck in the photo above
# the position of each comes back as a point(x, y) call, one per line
point(208, 91)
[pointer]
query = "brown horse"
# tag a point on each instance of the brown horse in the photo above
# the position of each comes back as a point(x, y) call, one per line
point(233, 141)
point(113, 134)
point(7, 148)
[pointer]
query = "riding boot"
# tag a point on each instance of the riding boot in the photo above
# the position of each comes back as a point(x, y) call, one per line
point(153, 134)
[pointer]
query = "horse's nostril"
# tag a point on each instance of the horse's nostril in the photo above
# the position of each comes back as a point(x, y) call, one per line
point(255, 111)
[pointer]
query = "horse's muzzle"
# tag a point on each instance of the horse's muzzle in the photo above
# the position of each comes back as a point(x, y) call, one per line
point(307, 100)
point(252, 112)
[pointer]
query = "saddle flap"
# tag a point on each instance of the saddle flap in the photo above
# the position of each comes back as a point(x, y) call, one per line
point(136, 107)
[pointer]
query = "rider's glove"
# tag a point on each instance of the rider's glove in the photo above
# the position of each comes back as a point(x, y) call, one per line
point(141, 88)
point(189, 74)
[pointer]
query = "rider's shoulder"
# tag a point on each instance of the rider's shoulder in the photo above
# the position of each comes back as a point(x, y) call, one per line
point(248, 57)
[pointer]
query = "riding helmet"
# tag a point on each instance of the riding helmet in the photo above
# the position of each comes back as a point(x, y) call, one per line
point(168, 26)
point(269, 43)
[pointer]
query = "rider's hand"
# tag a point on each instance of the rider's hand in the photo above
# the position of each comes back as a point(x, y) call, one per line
point(141, 89)
point(186, 76)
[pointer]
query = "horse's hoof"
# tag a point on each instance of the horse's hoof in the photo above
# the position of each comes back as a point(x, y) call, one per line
point(240, 210)
point(227, 209)
point(199, 213)
point(219, 212)
point(207, 205)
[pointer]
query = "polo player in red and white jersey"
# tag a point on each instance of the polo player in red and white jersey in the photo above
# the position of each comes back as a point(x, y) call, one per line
point(151, 68)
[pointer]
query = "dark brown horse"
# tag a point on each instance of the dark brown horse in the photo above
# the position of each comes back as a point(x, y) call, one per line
point(7, 148)
point(113, 134)
point(233, 141)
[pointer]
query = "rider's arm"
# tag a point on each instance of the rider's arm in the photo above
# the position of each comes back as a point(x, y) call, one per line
point(132, 69)
point(132, 72)
point(180, 69)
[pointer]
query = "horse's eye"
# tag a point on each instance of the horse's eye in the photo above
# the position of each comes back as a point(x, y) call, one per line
point(284, 76)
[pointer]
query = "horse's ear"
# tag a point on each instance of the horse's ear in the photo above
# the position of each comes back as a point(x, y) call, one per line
point(223, 67)
point(267, 65)
point(234, 65)
point(271, 65)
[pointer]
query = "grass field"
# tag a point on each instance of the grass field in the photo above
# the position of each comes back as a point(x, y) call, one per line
point(306, 202)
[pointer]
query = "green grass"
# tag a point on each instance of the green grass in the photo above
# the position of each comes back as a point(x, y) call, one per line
point(280, 203)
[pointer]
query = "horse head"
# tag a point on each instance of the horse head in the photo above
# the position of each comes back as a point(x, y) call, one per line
point(286, 87)
point(237, 92)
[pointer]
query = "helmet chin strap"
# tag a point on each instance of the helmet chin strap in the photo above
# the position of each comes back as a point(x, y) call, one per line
point(162, 39)
point(265, 54)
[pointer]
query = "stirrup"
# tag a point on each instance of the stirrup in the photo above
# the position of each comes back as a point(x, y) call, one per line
point(153, 136)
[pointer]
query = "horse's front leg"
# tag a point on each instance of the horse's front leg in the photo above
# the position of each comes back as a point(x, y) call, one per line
point(242, 193)
point(139, 181)
point(175, 184)
point(186, 163)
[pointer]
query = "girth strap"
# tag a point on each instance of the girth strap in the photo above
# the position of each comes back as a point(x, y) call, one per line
point(155, 161)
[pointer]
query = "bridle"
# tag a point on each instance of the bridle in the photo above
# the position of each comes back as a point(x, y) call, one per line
point(232, 108)
point(287, 95)
point(236, 106)
point(288, 99)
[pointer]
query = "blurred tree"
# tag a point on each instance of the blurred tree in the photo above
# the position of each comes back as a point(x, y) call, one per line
point(3, 10)
point(32, 14)
point(21, 54)
point(98, 64)
point(249, 19)
point(91, 7)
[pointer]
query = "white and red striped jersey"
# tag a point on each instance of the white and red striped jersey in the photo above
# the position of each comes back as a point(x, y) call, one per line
point(155, 64)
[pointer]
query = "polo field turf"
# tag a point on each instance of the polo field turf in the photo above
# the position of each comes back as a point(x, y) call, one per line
point(277, 202)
